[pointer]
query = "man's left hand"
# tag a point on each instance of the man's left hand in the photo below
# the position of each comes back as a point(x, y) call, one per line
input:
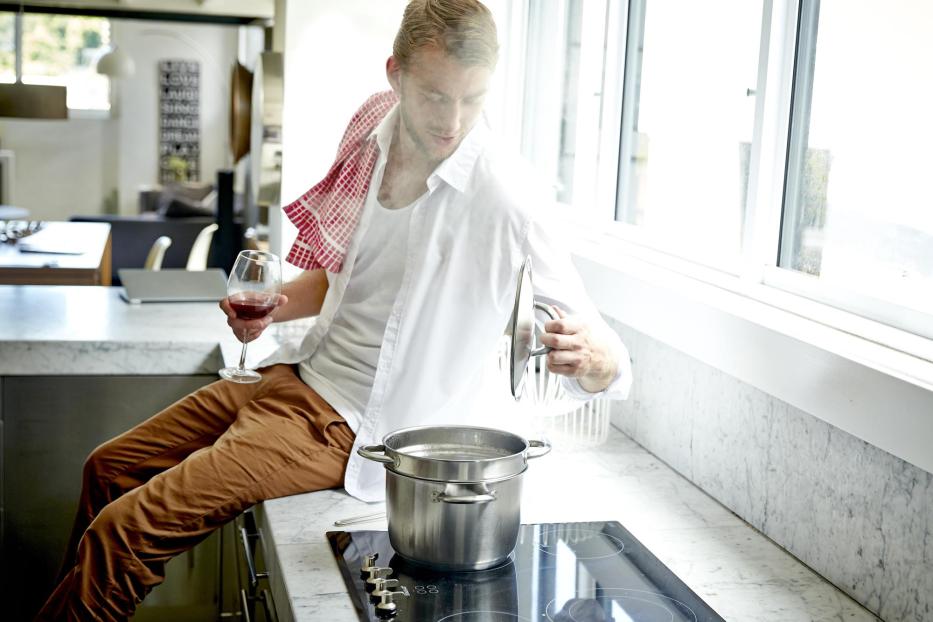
point(577, 352)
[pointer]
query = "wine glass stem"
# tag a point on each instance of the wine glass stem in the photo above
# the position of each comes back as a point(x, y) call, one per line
point(242, 366)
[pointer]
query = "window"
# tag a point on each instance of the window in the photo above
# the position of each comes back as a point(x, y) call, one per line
point(779, 142)
point(59, 50)
point(7, 48)
point(690, 74)
point(564, 78)
point(858, 208)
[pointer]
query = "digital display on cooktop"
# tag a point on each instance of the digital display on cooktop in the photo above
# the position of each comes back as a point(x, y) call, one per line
point(558, 572)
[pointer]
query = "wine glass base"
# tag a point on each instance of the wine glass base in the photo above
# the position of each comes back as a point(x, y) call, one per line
point(241, 376)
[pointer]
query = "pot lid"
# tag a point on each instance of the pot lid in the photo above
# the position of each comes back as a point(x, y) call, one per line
point(522, 327)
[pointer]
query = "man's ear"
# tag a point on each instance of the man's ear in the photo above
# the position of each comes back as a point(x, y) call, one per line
point(393, 74)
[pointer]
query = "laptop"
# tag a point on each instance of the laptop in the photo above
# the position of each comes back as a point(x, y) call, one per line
point(172, 285)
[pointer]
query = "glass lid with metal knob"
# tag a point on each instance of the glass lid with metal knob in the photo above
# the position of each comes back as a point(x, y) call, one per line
point(522, 328)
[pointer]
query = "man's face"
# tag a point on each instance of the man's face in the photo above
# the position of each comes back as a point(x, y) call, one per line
point(440, 100)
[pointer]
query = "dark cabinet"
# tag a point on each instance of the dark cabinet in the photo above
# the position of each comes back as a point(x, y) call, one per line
point(48, 425)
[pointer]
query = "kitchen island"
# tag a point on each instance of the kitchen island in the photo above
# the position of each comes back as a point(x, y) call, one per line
point(78, 366)
point(78, 331)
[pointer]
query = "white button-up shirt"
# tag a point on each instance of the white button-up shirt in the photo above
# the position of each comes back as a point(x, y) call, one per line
point(468, 236)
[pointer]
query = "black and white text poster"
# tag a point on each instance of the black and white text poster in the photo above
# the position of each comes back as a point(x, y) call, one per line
point(179, 121)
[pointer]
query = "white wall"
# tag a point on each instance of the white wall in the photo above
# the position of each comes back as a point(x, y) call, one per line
point(59, 165)
point(215, 48)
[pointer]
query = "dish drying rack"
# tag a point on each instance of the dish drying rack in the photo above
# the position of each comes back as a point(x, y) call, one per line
point(566, 422)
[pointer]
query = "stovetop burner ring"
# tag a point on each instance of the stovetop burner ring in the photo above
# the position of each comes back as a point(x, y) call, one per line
point(654, 600)
point(503, 616)
point(578, 535)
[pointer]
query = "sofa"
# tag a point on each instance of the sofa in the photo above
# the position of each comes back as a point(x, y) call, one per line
point(179, 211)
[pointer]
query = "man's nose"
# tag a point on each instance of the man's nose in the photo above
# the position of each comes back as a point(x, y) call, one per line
point(449, 118)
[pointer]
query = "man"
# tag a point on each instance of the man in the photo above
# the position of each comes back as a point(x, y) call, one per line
point(411, 247)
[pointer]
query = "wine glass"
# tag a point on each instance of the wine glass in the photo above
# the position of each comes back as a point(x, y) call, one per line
point(252, 290)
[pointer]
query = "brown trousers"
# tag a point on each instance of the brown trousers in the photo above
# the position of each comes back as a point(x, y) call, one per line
point(162, 487)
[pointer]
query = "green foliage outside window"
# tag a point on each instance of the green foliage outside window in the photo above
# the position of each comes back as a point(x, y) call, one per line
point(55, 45)
point(7, 51)
point(58, 49)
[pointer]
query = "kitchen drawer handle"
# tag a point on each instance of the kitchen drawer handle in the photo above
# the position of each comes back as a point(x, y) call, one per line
point(254, 576)
point(544, 446)
point(375, 453)
point(244, 605)
point(269, 605)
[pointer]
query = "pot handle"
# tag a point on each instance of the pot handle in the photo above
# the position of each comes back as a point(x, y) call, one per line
point(376, 453)
point(543, 445)
point(483, 497)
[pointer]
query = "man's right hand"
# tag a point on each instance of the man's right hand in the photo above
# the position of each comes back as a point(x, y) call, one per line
point(301, 297)
point(247, 330)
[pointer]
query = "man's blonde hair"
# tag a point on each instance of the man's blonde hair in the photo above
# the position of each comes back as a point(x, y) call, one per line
point(464, 29)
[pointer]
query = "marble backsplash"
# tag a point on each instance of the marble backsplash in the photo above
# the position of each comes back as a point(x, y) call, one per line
point(857, 515)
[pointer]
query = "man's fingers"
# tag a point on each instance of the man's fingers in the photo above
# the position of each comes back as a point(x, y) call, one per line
point(559, 341)
point(563, 370)
point(566, 357)
point(567, 325)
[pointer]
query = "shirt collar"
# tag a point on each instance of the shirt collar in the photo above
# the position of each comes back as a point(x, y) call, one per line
point(384, 130)
point(457, 168)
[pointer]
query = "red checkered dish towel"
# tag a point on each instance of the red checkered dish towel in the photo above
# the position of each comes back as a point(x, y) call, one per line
point(327, 214)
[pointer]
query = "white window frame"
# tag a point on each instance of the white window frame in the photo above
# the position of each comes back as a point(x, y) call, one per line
point(763, 325)
point(757, 270)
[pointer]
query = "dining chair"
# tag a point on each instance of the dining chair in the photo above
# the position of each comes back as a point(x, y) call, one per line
point(157, 253)
point(200, 248)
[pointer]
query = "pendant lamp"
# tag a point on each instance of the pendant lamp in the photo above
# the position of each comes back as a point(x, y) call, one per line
point(116, 63)
point(33, 101)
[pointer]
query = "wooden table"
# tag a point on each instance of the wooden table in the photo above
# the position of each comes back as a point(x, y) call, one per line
point(68, 253)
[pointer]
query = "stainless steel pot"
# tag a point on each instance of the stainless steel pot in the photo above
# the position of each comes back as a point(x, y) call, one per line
point(453, 493)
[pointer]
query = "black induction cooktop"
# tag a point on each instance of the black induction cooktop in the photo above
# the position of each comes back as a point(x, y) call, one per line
point(559, 572)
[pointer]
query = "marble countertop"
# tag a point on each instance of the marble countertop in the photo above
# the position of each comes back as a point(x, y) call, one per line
point(742, 574)
point(82, 330)
point(60, 330)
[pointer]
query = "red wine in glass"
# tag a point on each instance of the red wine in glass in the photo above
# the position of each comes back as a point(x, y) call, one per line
point(253, 290)
point(248, 308)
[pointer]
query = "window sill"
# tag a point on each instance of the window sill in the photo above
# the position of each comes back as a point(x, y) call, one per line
point(769, 339)
point(89, 115)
